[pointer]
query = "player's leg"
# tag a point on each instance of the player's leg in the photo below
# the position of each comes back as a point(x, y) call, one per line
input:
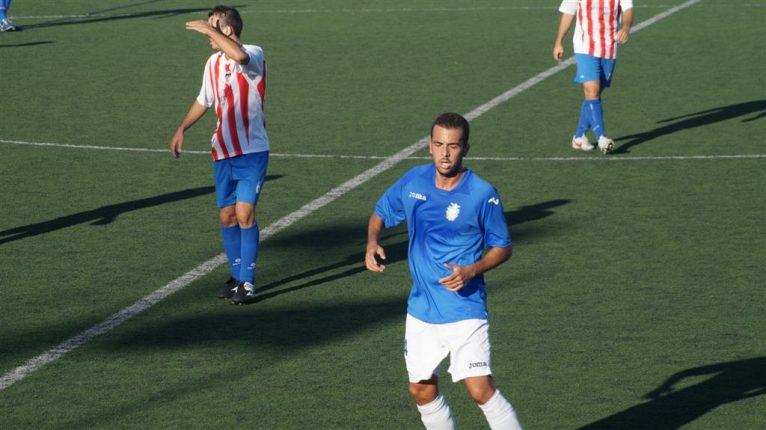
point(470, 362)
point(606, 69)
point(250, 173)
point(423, 352)
point(225, 188)
point(497, 410)
point(5, 24)
point(586, 70)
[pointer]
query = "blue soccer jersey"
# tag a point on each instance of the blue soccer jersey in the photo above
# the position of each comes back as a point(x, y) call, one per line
point(445, 227)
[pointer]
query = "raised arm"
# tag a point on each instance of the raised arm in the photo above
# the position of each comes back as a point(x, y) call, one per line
point(220, 37)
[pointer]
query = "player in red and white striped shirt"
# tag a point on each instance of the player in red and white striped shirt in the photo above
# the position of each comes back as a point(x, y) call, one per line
point(234, 83)
point(601, 25)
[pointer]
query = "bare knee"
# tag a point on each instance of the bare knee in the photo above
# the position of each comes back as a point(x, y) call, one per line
point(591, 90)
point(424, 392)
point(245, 214)
point(228, 216)
point(480, 388)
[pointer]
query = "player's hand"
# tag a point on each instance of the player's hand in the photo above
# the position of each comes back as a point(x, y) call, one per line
point(622, 36)
point(374, 251)
point(177, 144)
point(200, 26)
point(459, 277)
point(558, 52)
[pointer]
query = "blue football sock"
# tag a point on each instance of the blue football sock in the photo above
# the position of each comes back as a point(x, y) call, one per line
point(232, 245)
point(250, 237)
point(584, 123)
point(596, 117)
point(3, 8)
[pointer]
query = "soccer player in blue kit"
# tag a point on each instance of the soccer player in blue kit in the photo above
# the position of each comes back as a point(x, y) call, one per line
point(452, 216)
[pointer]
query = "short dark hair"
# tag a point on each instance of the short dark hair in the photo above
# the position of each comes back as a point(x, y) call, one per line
point(451, 120)
point(229, 17)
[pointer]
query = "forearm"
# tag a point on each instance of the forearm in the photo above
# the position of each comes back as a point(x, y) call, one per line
point(196, 111)
point(374, 227)
point(627, 19)
point(491, 259)
point(564, 24)
point(232, 49)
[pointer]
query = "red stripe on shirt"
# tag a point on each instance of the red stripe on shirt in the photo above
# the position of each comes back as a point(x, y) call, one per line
point(244, 93)
point(591, 41)
point(612, 28)
point(262, 86)
point(218, 131)
point(602, 28)
point(231, 119)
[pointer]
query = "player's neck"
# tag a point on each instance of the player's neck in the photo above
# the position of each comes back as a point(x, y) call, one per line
point(448, 183)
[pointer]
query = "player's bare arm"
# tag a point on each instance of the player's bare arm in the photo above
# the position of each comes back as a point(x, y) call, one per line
point(196, 111)
point(374, 250)
point(461, 275)
point(221, 36)
point(627, 21)
point(558, 44)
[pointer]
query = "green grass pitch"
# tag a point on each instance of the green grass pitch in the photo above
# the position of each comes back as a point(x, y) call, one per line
point(634, 299)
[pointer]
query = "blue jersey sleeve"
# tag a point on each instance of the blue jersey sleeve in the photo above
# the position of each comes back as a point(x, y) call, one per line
point(390, 206)
point(495, 227)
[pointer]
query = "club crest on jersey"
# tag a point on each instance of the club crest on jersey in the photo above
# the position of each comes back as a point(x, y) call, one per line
point(453, 211)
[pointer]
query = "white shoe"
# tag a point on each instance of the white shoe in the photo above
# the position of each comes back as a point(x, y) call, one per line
point(581, 143)
point(605, 144)
point(6, 25)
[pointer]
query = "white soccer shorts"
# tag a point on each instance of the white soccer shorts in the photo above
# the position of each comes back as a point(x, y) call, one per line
point(466, 342)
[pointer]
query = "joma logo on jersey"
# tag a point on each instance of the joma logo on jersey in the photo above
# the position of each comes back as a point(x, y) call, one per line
point(494, 200)
point(477, 364)
point(453, 211)
point(418, 196)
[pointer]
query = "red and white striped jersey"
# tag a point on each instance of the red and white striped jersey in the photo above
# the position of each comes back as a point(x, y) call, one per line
point(238, 94)
point(597, 24)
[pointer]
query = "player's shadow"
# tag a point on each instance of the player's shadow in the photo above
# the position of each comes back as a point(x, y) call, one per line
point(394, 241)
point(24, 45)
point(103, 215)
point(671, 408)
point(324, 240)
point(697, 119)
point(98, 15)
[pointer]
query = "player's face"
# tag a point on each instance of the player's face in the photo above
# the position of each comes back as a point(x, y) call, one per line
point(214, 22)
point(447, 150)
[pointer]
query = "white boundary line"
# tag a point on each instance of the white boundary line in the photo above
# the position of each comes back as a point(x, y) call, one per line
point(203, 269)
point(380, 157)
point(376, 10)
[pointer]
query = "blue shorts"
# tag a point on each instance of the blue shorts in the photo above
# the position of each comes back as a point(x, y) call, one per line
point(240, 179)
point(590, 68)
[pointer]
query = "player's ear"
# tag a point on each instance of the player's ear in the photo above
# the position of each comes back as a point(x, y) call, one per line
point(466, 147)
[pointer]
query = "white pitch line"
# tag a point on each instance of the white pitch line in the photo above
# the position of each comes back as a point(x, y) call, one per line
point(203, 269)
point(381, 157)
point(376, 10)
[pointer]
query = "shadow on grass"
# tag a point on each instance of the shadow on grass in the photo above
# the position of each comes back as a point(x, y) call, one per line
point(697, 119)
point(103, 215)
point(24, 45)
point(672, 408)
point(98, 15)
point(283, 330)
point(393, 240)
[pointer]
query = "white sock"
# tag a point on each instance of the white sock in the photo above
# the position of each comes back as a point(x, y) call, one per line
point(436, 415)
point(500, 414)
